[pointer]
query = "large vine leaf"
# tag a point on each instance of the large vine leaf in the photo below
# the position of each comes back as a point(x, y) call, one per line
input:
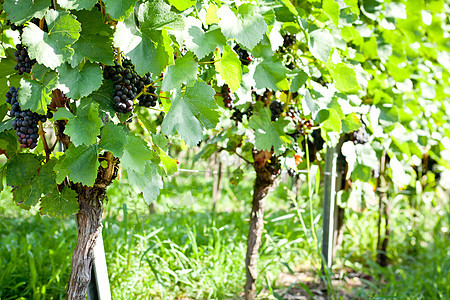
point(103, 96)
point(155, 15)
point(81, 80)
point(201, 102)
point(202, 43)
point(146, 55)
point(53, 48)
point(119, 10)
point(272, 75)
point(149, 183)
point(182, 4)
point(184, 71)
point(320, 43)
point(20, 11)
point(35, 95)
point(181, 119)
point(84, 127)
point(267, 134)
point(248, 27)
point(344, 78)
point(21, 168)
point(79, 163)
point(95, 40)
point(77, 4)
point(135, 154)
point(113, 138)
point(229, 68)
point(60, 204)
point(28, 194)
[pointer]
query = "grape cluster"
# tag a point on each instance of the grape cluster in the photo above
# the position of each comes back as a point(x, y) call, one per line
point(24, 62)
point(360, 136)
point(26, 122)
point(302, 127)
point(228, 96)
point(238, 115)
point(288, 40)
point(276, 108)
point(245, 57)
point(292, 172)
point(127, 85)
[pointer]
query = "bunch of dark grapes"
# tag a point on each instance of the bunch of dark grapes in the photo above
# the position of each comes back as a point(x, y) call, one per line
point(274, 166)
point(228, 96)
point(127, 85)
point(288, 40)
point(276, 108)
point(360, 136)
point(238, 115)
point(318, 141)
point(26, 122)
point(24, 62)
point(147, 99)
point(303, 127)
point(245, 57)
point(293, 113)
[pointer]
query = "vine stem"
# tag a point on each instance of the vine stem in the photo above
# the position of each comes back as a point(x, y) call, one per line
point(41, 133)
point(309, 194)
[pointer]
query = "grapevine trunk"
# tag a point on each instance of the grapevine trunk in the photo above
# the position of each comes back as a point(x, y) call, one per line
point(89, 220)
point(263, 181)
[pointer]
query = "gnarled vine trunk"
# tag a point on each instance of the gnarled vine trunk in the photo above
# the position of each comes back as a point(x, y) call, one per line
point(89, 229)
point(263, 181)
point(89, 217)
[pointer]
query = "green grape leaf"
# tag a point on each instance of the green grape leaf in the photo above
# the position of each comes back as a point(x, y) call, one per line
point(182, 4)
point(331, 9)
point(229, 68)
point(344, 78)
point(60, 205)
point(77, 4)
point(135, 154)
point(80, 164)
point(119, 10)
point(6, 125)
point(267, 134)
point(271, 74)
point(351, 123)
point(81, 80)
point(201, 102)
point(211, 14)
point(20, 11)
point(113, 138)
point(202, 43)
point(298, 81)
point(329, 120)
point(34, 95)
point(95, 40)
point(320, 43)
point(53, 48)
point(150, 182)
point(21, 168)
point(155, 15)
point(181, 119)
point(9, 142)
point(143, 52)
point(169, 164)
point(184, 71)
point(248, 27)
point(39, 71)
point(28, 194)
point(103, 96)
point(84, 127)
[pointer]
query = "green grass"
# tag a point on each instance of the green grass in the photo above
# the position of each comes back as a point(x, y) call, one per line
point(186, 251)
